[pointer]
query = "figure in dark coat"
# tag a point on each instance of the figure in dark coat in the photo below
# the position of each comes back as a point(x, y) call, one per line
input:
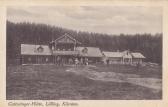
point(107, 61)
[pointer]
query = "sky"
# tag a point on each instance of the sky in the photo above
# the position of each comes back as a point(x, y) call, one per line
point(99, 19)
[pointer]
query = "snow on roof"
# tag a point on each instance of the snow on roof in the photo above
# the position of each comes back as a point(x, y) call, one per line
point(91, 51)
point(28, 49)
point(137, 55)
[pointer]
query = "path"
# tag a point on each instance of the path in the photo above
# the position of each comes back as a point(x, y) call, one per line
point(86, 71)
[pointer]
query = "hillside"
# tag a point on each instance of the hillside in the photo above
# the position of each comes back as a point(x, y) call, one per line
point(31, 33)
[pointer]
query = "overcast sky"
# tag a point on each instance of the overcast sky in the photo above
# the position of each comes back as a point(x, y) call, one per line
point(101, 19)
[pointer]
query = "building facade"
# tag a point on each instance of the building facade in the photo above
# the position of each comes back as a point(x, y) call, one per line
point(125, 57)
point(65, 49)
point(62, 50)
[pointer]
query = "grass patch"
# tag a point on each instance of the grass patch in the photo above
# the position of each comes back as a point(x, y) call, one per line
point(145, 71)
point(49, 82)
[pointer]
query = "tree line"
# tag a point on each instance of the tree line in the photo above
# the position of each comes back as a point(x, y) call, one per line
point(30, 33)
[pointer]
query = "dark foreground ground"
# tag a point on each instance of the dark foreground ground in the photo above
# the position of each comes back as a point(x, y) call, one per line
point(50, 82)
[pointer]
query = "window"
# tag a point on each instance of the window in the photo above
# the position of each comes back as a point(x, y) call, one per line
point(40, 49)
point(85, 50)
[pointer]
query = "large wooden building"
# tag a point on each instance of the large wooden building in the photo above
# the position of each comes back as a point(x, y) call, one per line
point(62, 50)
point(65, 49)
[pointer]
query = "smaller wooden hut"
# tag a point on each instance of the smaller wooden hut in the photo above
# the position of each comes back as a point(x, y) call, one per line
point(125, 57)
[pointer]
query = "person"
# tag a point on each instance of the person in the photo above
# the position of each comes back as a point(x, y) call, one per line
point(81, 61)
point(86, 61)
point(138, 66)
point(107, 61)
point(76, 61)
point(70, 61)
point(58, 61)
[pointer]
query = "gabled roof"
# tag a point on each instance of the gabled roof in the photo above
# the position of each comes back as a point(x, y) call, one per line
point(137, 55)
point(67, 35)
point(28, 49)
point(113, 54)
point(91, 51)
point(123, 54)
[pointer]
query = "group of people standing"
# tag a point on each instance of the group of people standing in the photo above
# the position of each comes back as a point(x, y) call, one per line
point(60, 61)
point(81, 61)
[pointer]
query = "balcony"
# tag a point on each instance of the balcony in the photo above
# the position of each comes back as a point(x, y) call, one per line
point(61, 52)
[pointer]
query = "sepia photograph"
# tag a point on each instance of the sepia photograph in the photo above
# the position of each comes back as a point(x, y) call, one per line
point(84, 52)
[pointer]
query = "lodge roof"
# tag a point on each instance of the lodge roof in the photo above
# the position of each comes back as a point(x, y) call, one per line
point(91, 51)
point(70, 37)
point(28, 49)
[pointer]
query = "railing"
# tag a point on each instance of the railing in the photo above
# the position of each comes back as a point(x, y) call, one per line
point(56, 52)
